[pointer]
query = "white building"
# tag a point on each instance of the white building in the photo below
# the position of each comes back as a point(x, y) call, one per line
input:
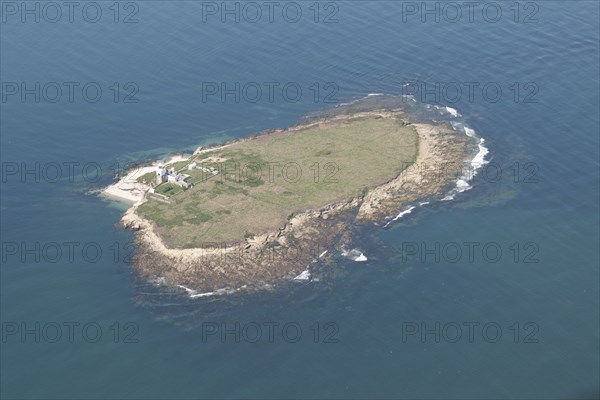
point(170, 175)
point(161, 174)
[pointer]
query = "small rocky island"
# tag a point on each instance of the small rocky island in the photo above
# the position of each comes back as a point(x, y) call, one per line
point(251, 213)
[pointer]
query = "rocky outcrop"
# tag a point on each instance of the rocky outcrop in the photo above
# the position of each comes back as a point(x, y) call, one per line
point(287, 251)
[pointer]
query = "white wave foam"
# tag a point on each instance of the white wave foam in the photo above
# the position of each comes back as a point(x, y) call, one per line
point(193, 294)
point(218, 292)
point(304, 276)
point(400, 215)
point(187, 289)
point(469, 132)
point(357, 100)
point(479, 159)
point(355, 255)
point(361, 258)
point(462, 184)
point(197, 295)
point(348, 104)
point(452, 111)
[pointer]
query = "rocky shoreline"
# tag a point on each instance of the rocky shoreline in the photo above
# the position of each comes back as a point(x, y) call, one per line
point(289, 251)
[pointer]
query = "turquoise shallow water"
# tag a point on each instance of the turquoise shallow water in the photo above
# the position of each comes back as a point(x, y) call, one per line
point(548, 212)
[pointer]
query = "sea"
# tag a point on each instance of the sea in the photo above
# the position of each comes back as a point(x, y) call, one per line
point(491, 293)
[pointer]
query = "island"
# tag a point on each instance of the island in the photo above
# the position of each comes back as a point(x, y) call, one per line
point(255, 212)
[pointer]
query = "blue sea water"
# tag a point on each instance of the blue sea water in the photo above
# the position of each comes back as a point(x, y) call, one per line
point(358, 323)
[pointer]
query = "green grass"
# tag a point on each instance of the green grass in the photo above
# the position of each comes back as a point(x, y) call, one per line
point(168, 189)
point(149, 177)
point(254, 194)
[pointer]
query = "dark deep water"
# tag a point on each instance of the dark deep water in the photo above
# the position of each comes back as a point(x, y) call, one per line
point(542, 132)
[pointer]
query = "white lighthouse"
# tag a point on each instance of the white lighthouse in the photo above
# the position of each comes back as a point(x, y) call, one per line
point(161, 174)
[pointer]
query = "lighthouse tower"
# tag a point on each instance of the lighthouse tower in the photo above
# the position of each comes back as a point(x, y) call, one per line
point(161, 174)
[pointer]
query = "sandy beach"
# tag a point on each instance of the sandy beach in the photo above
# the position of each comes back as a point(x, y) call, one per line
point(128, 189)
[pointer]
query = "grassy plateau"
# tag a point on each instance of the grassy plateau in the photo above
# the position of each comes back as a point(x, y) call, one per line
point(264, 179)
